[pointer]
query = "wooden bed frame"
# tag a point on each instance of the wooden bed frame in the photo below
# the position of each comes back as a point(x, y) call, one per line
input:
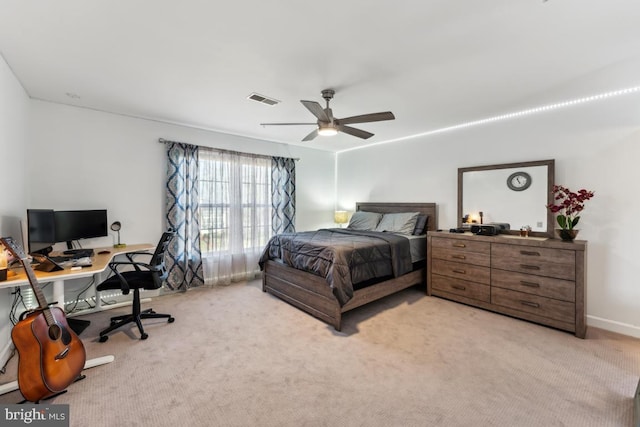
point(312, 294)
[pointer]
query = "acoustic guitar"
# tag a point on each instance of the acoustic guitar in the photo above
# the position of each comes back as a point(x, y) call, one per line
point(51, 356)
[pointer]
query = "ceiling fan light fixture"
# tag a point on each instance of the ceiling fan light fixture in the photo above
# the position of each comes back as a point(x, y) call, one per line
point(328, 125)
point(327, 130)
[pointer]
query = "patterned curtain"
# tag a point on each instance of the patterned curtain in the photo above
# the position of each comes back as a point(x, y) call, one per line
point(283, 195)
point(184, 260)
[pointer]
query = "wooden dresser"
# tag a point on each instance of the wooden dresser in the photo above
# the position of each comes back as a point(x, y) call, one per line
point(540, 280)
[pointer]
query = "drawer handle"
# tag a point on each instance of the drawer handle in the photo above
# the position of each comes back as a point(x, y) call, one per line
point(530, 284)
point(530, 304)
point(459, 287)
point(459, 271)
point(458, 257)
point(530, 253)
point(459, 245)
point(529, 267)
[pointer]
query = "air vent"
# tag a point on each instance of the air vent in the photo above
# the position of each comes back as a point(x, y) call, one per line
point(263, 99)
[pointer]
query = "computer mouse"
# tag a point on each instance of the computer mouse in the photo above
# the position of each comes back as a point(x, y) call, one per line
point(104, 252)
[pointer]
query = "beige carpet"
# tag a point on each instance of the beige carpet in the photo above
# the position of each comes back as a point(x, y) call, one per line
point(239, 357)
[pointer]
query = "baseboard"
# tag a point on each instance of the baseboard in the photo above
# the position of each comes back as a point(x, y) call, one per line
point(613, 326)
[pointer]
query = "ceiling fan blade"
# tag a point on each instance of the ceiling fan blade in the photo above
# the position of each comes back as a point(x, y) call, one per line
point(355, 132)
point(317, 110)
point(311, 136)
point(287, 124)
point(366, 118)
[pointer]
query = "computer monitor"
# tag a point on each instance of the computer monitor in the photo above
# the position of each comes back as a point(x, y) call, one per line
point(80, 224)
point(41, 230)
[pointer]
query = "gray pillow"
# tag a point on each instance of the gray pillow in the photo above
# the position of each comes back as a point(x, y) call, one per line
point(362, 220)
point(421, 225)
point(404, 222)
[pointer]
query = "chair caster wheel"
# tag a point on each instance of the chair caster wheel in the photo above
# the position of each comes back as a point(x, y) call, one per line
point(171, 319)
point(104, 338)
point(144, 336)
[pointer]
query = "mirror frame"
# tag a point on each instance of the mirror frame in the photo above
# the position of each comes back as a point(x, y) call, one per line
point(550, 182)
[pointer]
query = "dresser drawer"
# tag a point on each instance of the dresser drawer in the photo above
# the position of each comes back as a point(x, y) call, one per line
point(464, 257)
point(461, 287)
point(538, 285)
point(461, 245)
point(462, 271)
point(541, 306)
point(559, 263)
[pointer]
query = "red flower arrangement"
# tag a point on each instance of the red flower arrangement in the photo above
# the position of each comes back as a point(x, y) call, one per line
point(569, 204)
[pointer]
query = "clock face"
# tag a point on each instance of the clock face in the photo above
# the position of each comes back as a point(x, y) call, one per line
point(519, 181)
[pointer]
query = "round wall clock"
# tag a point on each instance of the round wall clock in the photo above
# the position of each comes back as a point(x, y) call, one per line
point(519, 181)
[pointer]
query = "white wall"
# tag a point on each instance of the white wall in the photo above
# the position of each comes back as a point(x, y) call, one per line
point(596, 146)
point(84, 159)
point(14, 116)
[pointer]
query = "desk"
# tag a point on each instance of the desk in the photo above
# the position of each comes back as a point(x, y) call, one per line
point(100, 263)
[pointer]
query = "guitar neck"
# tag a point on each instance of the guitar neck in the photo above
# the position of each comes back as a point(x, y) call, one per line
point(33, 281)
point(16, 250)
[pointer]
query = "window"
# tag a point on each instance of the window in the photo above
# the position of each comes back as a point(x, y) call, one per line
point(234, 202)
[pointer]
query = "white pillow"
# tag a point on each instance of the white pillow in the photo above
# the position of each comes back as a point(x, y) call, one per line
point(403, 222)
point(362, 220)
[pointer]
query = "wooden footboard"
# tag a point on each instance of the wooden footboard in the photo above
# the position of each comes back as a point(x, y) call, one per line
point(304, 290)
point(313, 295)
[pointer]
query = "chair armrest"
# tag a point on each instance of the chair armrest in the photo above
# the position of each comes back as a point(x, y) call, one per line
point(124, 285)
point(130, 256)
point(115, 264)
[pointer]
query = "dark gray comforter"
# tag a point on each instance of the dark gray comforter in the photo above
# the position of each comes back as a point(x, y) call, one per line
point(343, 257)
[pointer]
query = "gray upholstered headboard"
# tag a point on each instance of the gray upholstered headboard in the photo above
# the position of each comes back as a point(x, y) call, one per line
point(423, 208)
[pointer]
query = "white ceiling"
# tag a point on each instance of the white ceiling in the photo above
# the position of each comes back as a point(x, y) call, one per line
point(434, 63)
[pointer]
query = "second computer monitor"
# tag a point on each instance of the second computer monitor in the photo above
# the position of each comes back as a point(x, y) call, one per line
point(80, 224)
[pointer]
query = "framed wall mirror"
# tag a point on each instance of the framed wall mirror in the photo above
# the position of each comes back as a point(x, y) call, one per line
point(513, 193)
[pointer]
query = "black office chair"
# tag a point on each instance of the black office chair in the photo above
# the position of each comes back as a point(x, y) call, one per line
point(143, 276)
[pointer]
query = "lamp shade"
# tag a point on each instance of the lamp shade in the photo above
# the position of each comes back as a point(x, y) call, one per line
point(327, 129)
point(341, 217)
point(116, 226)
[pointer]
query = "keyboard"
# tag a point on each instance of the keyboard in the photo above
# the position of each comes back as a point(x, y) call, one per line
point(61, 258)
point(79, 253)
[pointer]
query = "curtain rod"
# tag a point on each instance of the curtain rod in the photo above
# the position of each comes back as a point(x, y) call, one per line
point(165, 141)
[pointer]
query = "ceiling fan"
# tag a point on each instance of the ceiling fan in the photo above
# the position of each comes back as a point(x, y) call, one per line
point(329, 125)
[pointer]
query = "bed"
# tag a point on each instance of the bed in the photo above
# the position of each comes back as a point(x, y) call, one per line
point(312, 292)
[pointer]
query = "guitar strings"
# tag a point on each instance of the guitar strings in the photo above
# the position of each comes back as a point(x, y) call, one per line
point(19, 300)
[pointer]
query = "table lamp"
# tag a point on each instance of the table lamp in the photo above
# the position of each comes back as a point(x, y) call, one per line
point(116, 227)
point(341, 217)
